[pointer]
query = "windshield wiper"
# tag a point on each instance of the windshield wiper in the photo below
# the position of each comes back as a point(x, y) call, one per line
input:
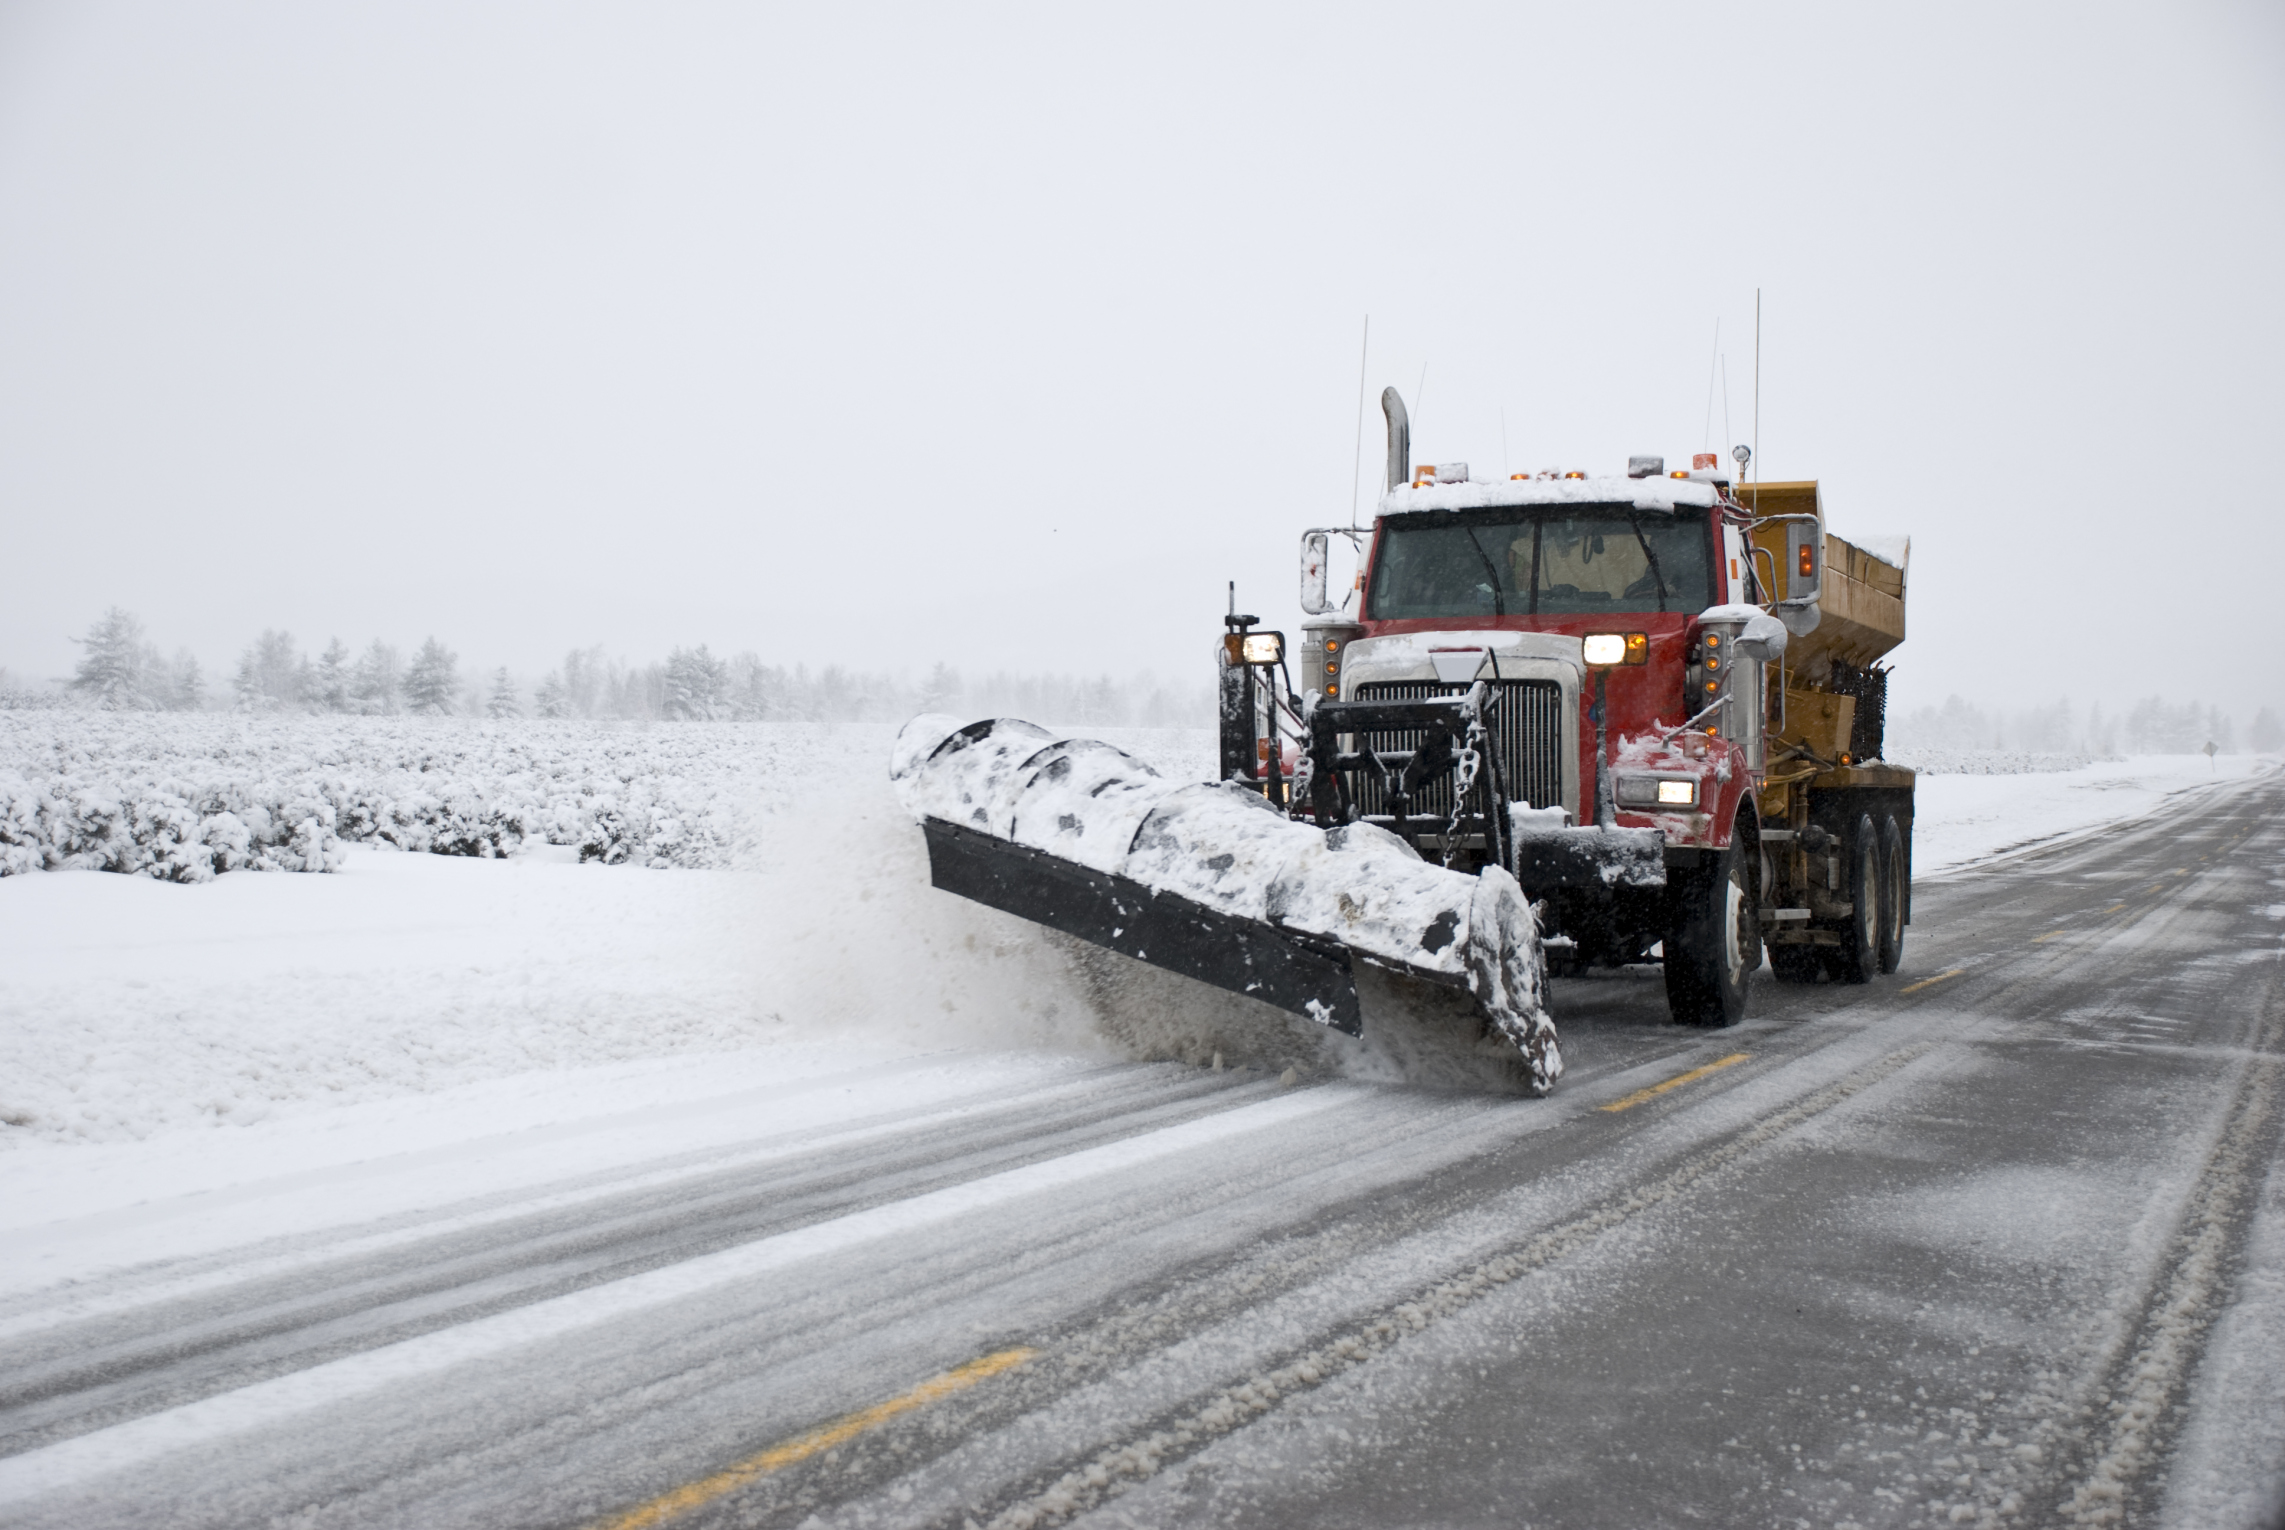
point(1636, 522)
point(1499, 607)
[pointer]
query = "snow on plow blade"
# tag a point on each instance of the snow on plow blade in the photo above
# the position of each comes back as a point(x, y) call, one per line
point(1213, 881)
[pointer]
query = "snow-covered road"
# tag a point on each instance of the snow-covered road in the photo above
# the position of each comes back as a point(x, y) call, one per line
point(1991, 1241)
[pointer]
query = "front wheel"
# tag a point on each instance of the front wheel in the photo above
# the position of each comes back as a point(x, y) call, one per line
point(1713, 941)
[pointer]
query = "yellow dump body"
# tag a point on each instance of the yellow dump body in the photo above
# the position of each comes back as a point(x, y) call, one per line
point(1863, 599)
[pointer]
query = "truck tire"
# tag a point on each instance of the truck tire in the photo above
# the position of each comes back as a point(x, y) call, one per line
point(1893, 877)
point(1860, 939)
point(1711, 937)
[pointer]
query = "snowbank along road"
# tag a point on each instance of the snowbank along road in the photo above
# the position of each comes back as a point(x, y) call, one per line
point(1997, 1240)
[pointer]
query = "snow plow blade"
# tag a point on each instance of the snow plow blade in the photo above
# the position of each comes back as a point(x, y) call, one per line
point(1293, 972)
point(1212, 881)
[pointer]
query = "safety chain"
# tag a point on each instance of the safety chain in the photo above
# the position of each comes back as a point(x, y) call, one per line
point(1464, 781)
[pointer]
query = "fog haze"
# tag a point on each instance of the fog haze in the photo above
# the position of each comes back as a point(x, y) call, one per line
point(1005, 337)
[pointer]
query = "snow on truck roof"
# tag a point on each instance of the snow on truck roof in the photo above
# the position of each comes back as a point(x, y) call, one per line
point(1660, 494)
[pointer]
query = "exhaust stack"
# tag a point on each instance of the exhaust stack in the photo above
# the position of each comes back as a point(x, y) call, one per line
point(1399, 438)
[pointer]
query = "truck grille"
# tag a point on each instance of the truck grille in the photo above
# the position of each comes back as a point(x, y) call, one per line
point(1527, 731)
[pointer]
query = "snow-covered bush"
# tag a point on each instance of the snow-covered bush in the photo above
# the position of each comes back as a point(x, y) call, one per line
point(164, 829)
point(184, 798)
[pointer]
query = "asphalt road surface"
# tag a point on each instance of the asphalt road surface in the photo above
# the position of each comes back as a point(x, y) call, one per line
point(1998, 1240)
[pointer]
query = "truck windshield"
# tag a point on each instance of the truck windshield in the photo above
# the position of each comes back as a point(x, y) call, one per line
point(1558, 561)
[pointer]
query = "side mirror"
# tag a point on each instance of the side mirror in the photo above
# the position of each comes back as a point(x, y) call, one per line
point(1762, 641)
point(1804, 561)
point(1314, 545)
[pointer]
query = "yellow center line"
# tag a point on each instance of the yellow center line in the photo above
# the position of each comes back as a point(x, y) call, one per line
point(2037, 940)
point(1677, 1081)
point(2114, 908)
point(1932, 982)
point(802, 1446)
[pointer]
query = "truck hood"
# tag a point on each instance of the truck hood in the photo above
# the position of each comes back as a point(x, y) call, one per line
point(1444, 655)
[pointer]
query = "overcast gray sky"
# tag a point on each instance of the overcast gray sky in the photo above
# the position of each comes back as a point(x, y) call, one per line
point(1004, 336)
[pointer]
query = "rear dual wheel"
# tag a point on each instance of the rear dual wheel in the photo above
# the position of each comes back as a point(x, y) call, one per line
point(1872, 939)
point(1860, 939)
point(1895, 876)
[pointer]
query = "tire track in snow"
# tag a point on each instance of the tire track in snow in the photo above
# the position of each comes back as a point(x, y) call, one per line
point(319, 1307)
point(1172, 1440)
point(2145, 1387)
point(267, 1404)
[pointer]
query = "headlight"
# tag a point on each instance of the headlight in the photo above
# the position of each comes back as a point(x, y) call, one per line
point(1656, 791)
point(1603, 648)
point(1264, 647)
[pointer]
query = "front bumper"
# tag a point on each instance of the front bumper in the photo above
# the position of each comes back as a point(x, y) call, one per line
point(1567, 859)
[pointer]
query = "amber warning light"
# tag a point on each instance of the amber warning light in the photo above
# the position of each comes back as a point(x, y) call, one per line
point(1600, 648)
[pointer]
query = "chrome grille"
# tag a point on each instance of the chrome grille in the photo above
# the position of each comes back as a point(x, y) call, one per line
point(1527, 730)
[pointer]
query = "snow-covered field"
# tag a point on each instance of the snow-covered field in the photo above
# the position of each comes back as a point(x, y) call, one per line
point(160, 1036)
point(1967, 818)
point(183, 798)
point(130, 1006)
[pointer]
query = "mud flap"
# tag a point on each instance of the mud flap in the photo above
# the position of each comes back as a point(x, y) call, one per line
point(1308, 976)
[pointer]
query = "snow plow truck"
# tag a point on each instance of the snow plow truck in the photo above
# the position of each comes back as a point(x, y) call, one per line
point(1559, 721)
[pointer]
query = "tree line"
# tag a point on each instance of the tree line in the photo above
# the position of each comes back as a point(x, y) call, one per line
point(2152, 725)
point(121, 669)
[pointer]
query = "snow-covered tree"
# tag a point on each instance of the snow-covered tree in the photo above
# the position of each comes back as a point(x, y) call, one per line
point(551, 700)
point(185, 683)
point(2268, 732)
point(940, 692)
point(585, 675)
point(115, 670)
point(376, 681)
point(754, 690)
point(2155, 727)
point(434, 679)
point(695, 681)
point(330, 679)
point(637, 693)
point(503, 701)
point(272, 674)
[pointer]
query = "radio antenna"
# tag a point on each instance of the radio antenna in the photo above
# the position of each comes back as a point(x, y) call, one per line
point(1710, 369)
point(1357, 460)
point(1757, 401)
